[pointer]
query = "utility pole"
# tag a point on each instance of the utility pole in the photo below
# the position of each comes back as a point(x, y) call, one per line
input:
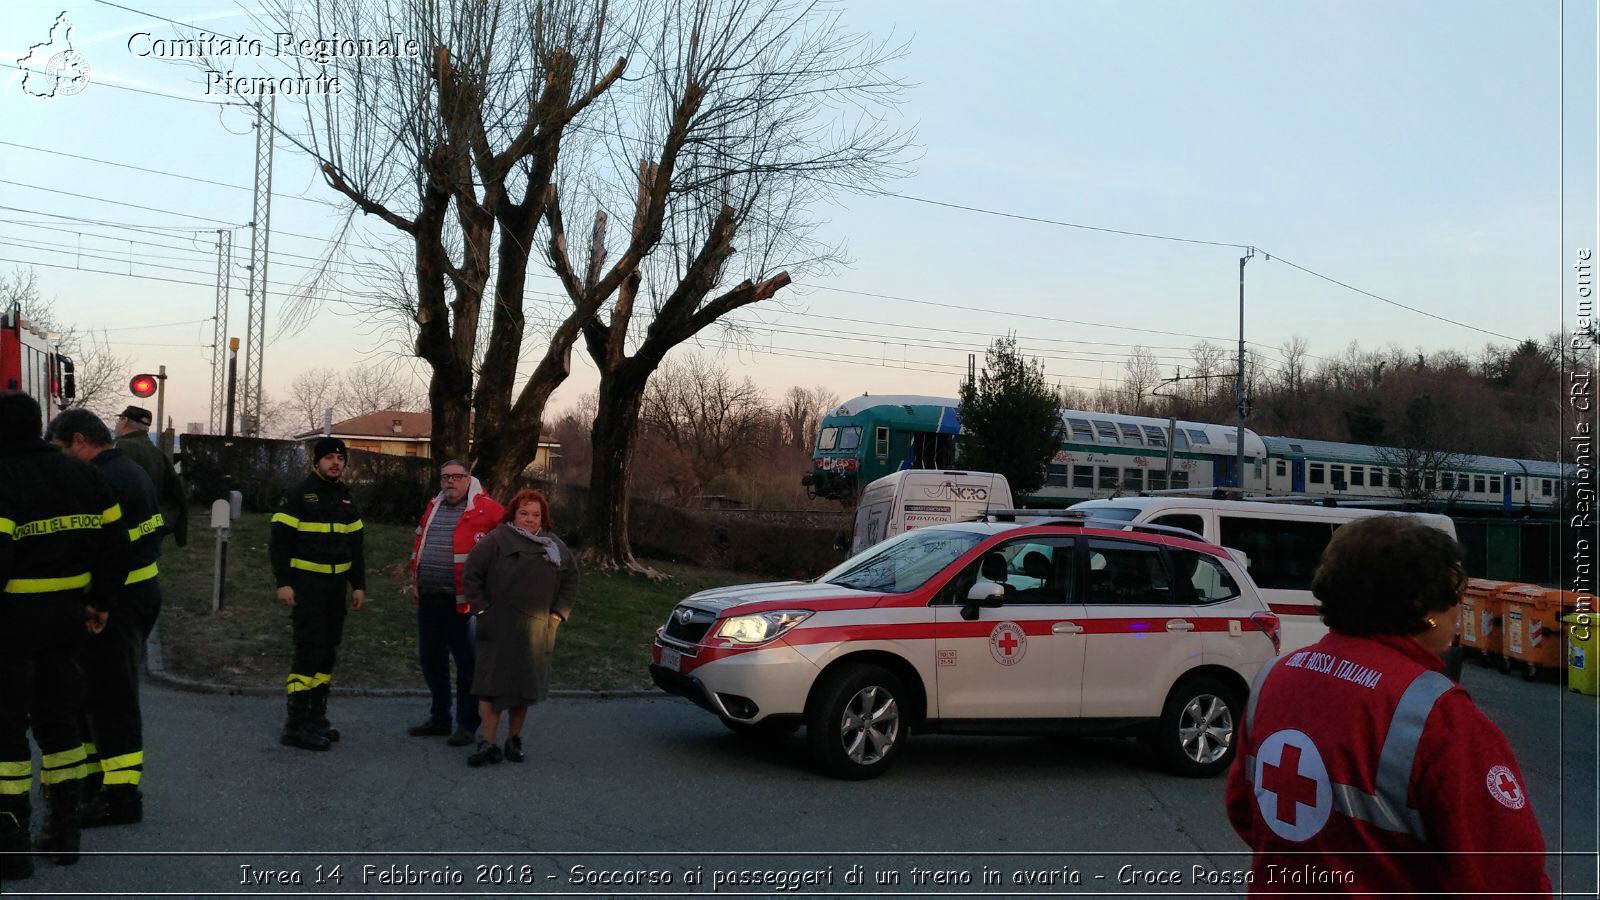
point(219, 329)
point(161, 411)
point(233, 383)
point(1238, 385)
point(255, 334)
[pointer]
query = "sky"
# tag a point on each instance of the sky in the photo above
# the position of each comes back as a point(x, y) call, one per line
point(1438, 154)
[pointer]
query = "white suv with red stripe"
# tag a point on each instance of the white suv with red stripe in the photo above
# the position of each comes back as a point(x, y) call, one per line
point(1047, 624)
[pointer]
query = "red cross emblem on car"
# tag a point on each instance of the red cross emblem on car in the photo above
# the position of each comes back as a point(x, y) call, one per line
point(1008, 643)
point(1293, 791)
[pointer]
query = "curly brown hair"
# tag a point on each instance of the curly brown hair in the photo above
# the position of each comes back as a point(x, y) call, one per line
point(1387, 574)
point(526, 496)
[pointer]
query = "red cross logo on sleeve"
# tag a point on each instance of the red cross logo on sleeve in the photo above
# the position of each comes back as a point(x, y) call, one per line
point(1503, 787)
point(1293, 792)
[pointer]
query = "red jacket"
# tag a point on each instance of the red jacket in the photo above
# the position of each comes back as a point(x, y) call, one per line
point(480, 517)
point(1357, 748)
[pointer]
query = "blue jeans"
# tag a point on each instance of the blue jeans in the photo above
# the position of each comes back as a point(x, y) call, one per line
point(443, 633)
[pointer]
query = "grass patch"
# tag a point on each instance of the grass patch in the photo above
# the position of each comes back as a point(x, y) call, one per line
point(248, 642)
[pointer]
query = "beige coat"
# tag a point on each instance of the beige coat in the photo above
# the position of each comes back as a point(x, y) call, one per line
point(517, 594)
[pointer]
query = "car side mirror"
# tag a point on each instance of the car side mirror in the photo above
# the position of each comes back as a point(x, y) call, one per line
point(983, 595)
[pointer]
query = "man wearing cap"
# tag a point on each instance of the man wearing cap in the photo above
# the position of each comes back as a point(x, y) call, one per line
point(316, 549)
point(133, 439)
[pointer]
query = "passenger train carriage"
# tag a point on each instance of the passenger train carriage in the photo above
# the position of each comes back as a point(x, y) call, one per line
point(1109, 455)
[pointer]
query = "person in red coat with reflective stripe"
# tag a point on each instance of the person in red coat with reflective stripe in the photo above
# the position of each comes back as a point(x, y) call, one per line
point(1362, 769)
point(453, 523)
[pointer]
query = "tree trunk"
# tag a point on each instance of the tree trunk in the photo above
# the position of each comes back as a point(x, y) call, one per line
point(615, 424)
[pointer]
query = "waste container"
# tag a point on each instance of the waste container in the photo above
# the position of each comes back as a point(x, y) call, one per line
point(1531, 626)
point(1481, 611)
point(1583, 653)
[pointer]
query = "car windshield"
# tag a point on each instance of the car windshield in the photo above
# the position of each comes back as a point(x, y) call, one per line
point(903, 563)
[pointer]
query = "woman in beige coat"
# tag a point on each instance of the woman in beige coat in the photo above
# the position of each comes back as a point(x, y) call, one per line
point(521, 581)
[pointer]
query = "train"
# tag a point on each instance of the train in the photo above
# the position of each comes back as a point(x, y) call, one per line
point(1109, 455)
point(31, 362)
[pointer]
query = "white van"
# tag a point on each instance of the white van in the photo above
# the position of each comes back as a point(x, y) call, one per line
point(1282, 543)
point(912, 498)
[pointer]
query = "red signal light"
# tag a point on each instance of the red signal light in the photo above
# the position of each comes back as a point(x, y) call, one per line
point(143, 385)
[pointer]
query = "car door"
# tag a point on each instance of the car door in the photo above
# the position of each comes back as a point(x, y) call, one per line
point(1024, 659)
point(1142, 630)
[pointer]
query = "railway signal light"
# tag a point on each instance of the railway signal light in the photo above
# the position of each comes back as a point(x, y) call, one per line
point(143, 385)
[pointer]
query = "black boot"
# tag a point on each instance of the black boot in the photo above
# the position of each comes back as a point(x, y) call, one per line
point(58, 838)
point(319, 714)
point(15, 863)
point(119, 804)
point(297, 730)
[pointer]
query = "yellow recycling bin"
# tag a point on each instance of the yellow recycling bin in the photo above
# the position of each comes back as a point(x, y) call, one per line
point(1583, 652)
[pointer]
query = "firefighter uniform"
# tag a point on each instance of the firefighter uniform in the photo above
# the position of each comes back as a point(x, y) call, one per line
point(63, 545)
point(115, 735)
point(316, 549)
point(1364, 770)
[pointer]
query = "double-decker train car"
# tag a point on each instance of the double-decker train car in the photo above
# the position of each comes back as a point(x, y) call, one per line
point(30, 363)
point(1108, 455)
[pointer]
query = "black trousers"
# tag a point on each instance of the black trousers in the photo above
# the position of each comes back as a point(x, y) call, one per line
point(113, 727)
point(41, 682)
point(318, 620)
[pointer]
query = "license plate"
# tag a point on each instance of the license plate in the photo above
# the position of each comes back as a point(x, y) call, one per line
point(671, 659)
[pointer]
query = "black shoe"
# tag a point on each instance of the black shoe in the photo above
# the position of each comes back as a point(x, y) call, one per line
point(487, 754)
point(431, 728)
point(318, 714)
point(461, 738)
point(514, 749)
point(116, 805)
point(305, 739)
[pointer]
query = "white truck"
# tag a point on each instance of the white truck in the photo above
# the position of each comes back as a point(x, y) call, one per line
point(912, 498)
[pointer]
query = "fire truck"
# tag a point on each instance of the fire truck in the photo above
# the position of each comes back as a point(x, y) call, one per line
point(30, 363)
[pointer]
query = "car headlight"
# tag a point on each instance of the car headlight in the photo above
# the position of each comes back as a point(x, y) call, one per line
point(758, 628)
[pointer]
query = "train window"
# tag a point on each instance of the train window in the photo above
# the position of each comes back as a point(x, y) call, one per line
point(1083, 477)
point(850, 438)
point(1315, 474)
point(1157, 437)
point(1377, 477)
point(1283, 555)
point(1358, 476)
point(1447, 481)
point(1428, 479)
point(1494, 484)
point(1477, 484)
point(1196, 436)
point(1130, 434)
point(1336, 475)
point(1106, 431)
point(1108, 478)
point(1133, 479)
point(882, 441)
point(1081, 430)
point(1516, 485)
point(1545, 488)
point(828, 437)
point(1180, 441)
point(1158, 480)
point(1057, 476)
point(1395, 479)
point(1179, 481)
point(1280, 469)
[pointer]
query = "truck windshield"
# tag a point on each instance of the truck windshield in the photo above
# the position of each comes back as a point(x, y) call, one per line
point(903, 563)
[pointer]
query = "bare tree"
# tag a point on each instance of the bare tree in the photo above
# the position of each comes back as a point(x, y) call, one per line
point(456, 150)
point(311, 393)
point(373, 387)
point(712, 420)
point(755, 110)
point(801, 412)
point(98, 370)
point(1142, 372)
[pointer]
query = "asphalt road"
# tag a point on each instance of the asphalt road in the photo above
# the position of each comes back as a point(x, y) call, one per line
point(657, 786)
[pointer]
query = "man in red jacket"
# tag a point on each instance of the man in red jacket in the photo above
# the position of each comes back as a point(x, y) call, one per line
point(1362, 769)
point(453, 523)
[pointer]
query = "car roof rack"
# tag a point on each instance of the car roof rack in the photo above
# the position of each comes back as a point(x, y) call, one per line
point(1036, 517)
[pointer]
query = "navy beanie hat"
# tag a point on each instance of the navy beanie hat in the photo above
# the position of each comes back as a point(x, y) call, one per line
point(327, 445)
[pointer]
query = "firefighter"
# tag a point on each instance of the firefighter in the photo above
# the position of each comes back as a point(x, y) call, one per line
point(63, 557)
point(316, 550)
point(1362, 768)
point(133, 439)
point(114, 735)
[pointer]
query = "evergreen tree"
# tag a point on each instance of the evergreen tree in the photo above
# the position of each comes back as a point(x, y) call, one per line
point(1010, 419)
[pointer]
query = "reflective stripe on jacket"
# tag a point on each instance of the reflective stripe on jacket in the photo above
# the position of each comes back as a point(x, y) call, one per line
point(317, 529)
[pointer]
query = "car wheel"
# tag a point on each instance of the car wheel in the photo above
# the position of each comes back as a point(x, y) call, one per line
point(858, 722)
point(1199, 723)
point(771, 730)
